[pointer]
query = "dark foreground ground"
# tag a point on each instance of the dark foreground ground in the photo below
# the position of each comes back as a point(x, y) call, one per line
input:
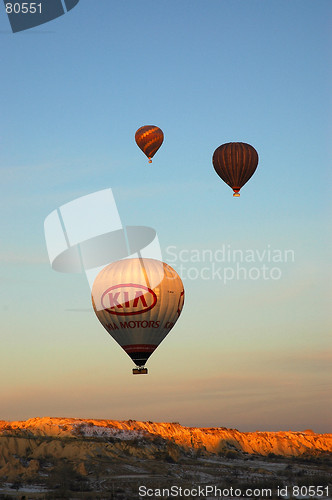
point(233, 475)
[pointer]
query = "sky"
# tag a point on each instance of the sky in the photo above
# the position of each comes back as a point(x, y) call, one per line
point(250, 351)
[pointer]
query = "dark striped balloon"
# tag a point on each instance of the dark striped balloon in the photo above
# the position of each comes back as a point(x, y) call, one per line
point(235, 163)
point(149, 139)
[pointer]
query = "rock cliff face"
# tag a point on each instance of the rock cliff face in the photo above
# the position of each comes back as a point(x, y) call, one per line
point(83, 438)
point(70, 454)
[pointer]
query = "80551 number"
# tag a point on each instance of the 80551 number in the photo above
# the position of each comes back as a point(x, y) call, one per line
point(24, 8)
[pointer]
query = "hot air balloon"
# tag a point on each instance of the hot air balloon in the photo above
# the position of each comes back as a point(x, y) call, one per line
point(235, 163)
point(149, 139)
point(138, 301)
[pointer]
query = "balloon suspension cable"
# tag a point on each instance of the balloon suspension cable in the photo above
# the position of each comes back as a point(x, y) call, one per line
point(150, 161)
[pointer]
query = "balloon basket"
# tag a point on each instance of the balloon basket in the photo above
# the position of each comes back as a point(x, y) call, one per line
point(150, 161)
point(236, 195)
point(140, 371)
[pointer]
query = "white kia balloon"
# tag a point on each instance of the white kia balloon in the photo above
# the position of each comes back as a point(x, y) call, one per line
point(138, 301)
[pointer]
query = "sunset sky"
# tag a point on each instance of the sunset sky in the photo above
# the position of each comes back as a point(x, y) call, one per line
point(251, 352)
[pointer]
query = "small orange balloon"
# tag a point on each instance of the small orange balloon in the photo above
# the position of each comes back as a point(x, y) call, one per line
point(149, 138)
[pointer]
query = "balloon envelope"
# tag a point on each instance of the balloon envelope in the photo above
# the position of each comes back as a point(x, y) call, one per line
point(149, 139)
point(138, 301)
point(235, 163)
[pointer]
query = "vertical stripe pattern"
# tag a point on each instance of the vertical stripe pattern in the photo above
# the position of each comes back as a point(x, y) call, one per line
point(235, 163)
point(138, 301)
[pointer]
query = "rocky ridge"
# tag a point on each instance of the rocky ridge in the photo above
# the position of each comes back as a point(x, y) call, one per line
point(82, 434)
point(70, 454)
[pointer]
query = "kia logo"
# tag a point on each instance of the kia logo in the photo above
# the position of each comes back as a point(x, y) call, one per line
point(127, 299)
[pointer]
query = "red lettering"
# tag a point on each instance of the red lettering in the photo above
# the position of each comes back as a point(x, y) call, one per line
point(114, 299)
point(169, 325)
point(126, 296)
point(138, 296)
point(111, 326)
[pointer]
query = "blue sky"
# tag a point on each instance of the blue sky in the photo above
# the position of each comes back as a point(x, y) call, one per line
point(251, 354)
